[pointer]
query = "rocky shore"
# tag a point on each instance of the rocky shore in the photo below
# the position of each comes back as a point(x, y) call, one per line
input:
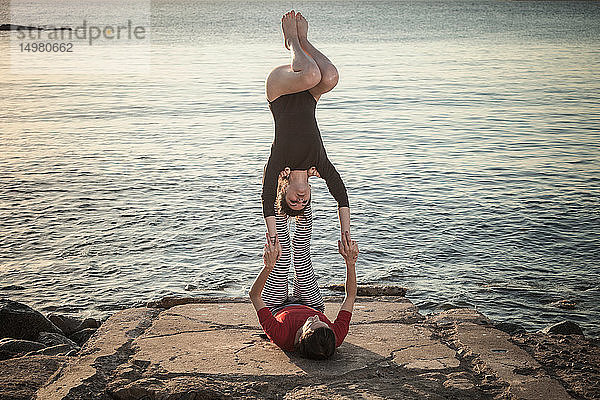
point(199, 348)
point(26, 332)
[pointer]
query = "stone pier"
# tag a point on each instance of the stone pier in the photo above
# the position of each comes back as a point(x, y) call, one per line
point(217, 350)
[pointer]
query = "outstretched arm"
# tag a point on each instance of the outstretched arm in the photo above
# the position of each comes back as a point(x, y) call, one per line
point(344, 215)
point(268, 198)
point(336, 187)
point(271, 228)
point(349, 250)
point(270, 256)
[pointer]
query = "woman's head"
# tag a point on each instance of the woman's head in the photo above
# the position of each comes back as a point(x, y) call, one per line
point(292, 196)
point(317, 340)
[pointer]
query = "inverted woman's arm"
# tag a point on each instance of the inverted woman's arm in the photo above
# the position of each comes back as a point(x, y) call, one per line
point(344, 215)
point(271, 228)
point(336, 187)
point(269, 192)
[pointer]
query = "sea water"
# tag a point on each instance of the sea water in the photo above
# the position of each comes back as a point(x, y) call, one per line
point(467, 134)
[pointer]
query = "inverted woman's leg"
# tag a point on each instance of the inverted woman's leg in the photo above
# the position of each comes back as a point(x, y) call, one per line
point(275, 291)
point(301, 74)
point(306, 288)
point(329, 73)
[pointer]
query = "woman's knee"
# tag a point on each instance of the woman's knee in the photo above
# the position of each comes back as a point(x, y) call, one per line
point(311, 76)
point(329, 76)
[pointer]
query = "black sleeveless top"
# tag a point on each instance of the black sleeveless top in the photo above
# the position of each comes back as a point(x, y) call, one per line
point(298, 145)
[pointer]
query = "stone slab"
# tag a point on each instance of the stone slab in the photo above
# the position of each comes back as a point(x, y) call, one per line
point(109, 344)
point(458, 315)
point(224, 339)
point(243, 314)
point(400, 311)
point(204, 350)
point(207, 316)
point(21, 377)
point(408, 346)
point(524, 375)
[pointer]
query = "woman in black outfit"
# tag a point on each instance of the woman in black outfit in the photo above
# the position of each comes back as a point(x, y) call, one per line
point(292, 92)
point(297, 322)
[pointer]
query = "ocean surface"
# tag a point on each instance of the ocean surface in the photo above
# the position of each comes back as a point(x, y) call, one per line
point(467, 133)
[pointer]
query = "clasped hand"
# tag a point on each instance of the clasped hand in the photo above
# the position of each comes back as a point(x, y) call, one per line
point(348, 248)
point(272, 252)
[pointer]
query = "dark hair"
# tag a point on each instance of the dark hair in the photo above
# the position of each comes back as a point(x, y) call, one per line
point(282, 205)
point(317, 345)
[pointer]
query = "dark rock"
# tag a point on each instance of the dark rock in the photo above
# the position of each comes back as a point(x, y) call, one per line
point(372, 290)
point(172, 301)
point(573, 359)
point(510, 328)
point(82, 336)
point(12, 287)
point(53, 339)
point(19, 345)
point(88, 323)
point(20, 321)
point(58, 350)
point(70, 325)
point(66, 323)
point(564, 328)
point(11, 27)
point(22, 377)
point(71, 353)
point(12, 347)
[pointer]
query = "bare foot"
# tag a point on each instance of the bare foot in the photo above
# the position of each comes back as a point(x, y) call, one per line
point(288, 26)
point(302, 26)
